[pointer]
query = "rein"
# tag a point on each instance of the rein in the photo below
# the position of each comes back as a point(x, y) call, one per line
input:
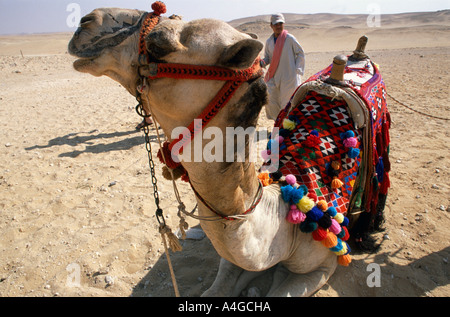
point(233, 80)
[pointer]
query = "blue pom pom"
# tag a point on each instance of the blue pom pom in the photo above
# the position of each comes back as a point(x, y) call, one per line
point(314, 132)
point(296, 195)
point(352, 153)
point(348, 248)
point(338, 246)
point(303, 189)
point(308, 226)
point(332, 211)
point(349, 134)
point(314, 214)
point(341, 234)
point(345, 222)
point(286, 192)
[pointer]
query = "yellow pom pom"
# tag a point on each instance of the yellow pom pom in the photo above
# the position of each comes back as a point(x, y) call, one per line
point(339, 217)
point(288, 124)
point(305, 204)
point(342, 251)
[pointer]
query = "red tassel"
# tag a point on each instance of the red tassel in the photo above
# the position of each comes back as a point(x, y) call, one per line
point(167, 159)
point(159, 8)
point(385, 185)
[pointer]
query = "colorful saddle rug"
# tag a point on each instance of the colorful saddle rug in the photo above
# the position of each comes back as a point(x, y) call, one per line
point(334, 139)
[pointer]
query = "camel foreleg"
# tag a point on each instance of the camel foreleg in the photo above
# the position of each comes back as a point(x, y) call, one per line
point(288, 284)
point(230, 280)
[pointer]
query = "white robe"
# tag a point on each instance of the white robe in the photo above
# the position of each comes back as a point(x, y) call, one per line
point(288, 75)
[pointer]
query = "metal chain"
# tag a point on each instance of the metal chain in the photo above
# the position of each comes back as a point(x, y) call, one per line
point(151, 163)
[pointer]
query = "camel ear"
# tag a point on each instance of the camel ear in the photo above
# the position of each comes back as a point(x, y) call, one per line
point(241, 55)
point(162, 41)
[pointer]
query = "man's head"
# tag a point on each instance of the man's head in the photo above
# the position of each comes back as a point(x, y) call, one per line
point(277, 23)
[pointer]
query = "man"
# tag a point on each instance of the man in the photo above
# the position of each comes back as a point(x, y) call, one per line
point(287, 65)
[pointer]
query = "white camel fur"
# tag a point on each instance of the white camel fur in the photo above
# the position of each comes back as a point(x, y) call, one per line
point(106, 44)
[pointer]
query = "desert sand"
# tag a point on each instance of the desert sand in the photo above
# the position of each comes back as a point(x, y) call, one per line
point(76, 203)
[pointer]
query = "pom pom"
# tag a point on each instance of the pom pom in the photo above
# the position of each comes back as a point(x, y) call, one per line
point(345, 222)
point(325, 221)
point(339, 217)
point(350, 142)
point(308, 226)
point(332, 212)
point(304, 189)
point(330, 241)
point(336, 165)
point(291, 195)
point(338, 247)
point(319, 234)
point(312, 195)
point(290, 179)
point(305, 204)
point(344, 260)
point(265, 179)
point(348, 134)
point(343, 249)
point(284, 133)
point(296, 195)
point(277, 175)
point(312, 141)
point(322, 204)
point(167, 159)
point(295, 216)
point(336, 183)
point(335, 227)
point(288, 124)
point(159, 8)
point(353, 153)
point(315, 214)
point(280, 139)
point(265, 154)
point(286, 192)
point(314, 132)
point(344, 235)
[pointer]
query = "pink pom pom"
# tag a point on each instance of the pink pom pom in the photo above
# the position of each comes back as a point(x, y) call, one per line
point(290, 179)
point(280, 139)
point(295, 216)
point(335, 227)
point(265, 154)
point(350, 142)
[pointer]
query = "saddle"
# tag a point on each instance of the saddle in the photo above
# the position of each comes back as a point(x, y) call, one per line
point(333, 136)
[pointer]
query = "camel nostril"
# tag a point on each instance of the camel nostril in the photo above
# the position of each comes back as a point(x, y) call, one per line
point(86, 20)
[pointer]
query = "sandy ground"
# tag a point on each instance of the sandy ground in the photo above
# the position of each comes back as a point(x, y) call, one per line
point(76, 207)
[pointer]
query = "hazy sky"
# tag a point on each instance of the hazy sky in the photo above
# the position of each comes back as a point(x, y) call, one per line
point(39, 16)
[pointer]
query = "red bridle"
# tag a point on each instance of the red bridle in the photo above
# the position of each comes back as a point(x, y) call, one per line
point(233, 80)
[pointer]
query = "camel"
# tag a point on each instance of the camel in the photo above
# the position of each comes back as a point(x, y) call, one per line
point(249, 245)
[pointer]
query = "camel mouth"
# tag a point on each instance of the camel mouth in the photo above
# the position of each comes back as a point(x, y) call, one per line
point(82, 63)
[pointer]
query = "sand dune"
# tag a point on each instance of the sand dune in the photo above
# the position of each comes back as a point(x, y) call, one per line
point(75, 196)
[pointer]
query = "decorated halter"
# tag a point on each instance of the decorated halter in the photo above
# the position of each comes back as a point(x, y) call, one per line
point(233, 80)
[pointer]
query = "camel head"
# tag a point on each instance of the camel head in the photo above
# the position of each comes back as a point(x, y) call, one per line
point(107, 40)
point(105, 44)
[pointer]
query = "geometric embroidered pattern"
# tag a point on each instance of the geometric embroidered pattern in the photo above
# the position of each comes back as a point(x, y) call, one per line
point(311, 164)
